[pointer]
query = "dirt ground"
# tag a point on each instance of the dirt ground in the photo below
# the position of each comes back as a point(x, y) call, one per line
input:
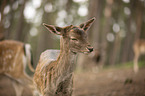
point(108, 82)
point(6, 88)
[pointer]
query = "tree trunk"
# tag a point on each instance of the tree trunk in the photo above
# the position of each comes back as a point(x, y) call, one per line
point(2, 6)
point(139, 19)
point(45, 39)
point(115, 49)
point(21, 22)
point(107, 27)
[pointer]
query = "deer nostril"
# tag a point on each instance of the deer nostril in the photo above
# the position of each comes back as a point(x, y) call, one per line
point(90, 49)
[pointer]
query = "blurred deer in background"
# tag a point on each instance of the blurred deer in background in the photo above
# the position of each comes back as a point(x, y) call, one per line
point(14, 56)
point(55, 77)
point(139, 49)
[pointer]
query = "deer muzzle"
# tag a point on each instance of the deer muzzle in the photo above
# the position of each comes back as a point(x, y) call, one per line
point(90, 48)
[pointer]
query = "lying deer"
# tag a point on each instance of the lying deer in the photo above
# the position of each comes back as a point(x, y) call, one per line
point(14, 56)
point(138, 48)
point(55, 77)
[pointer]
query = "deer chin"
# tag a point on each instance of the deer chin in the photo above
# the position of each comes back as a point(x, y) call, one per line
point(74, 52)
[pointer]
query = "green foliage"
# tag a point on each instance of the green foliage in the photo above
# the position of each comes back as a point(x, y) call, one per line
point(126, 65)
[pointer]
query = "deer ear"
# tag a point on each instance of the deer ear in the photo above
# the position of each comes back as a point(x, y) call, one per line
point(53, 29)
point(86, 25)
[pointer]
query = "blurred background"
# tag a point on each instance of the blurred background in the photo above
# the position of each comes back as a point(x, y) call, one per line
point(118, 24)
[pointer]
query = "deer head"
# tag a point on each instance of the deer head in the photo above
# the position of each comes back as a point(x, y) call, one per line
point(75, 36)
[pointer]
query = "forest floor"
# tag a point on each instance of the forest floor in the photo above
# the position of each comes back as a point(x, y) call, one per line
point(110, 82)
point(107, 82)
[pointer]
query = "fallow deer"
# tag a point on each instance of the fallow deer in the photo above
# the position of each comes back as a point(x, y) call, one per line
point(55, 78)
point(14, 56)
point(139, 49)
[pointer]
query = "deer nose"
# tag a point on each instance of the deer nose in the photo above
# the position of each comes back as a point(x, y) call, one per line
point(90, 49)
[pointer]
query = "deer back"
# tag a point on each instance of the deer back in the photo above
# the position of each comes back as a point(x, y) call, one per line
point(13, 59)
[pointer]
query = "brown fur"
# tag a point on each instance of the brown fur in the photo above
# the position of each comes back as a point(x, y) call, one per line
point(55, 78)
point(138, 48)
point(13, 62)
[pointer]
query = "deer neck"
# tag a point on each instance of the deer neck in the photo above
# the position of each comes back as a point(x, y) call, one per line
point(66, 59)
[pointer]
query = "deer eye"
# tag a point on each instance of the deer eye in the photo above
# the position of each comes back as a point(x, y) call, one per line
point(74, 39)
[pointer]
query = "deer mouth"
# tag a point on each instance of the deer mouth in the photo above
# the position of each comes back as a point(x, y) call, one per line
point(86, 52)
